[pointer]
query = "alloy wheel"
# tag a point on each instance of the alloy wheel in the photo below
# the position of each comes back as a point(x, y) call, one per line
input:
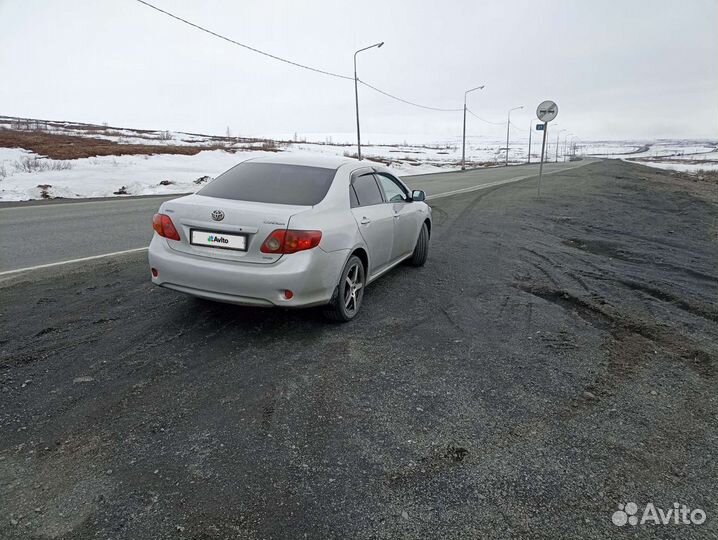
point(354, 288)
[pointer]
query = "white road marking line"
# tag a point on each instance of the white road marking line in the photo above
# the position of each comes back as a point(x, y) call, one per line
point(430, 197)
point(477, 188)
point(498, 183)
point(83, 259)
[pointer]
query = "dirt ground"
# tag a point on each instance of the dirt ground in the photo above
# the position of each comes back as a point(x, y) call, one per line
point(555, 358)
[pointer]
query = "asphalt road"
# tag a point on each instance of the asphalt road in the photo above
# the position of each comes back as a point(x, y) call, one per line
point(49, 232)
point(555, 358)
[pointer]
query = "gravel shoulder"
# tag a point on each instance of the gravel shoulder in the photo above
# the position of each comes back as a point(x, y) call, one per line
point(554, 358)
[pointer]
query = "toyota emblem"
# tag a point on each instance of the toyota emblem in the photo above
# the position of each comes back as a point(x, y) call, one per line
point(217, 215)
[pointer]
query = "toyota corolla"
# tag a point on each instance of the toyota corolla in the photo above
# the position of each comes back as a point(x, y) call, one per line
point(290, 232)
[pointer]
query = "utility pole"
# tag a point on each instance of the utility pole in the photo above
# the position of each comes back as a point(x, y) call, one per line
point(356, 93)
point(356, 101)
point(508, 128)
point(463, 138)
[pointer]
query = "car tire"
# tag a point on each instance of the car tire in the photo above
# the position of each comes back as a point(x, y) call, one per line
point(348, 296)
point(421, 250)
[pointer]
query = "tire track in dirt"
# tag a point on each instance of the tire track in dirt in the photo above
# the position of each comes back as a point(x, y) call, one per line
point(623, 329)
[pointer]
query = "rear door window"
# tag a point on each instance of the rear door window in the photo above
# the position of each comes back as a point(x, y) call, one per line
point(366, 190)
point(274, 183)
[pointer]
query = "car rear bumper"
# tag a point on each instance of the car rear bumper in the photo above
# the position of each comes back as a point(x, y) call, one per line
point(311, 275)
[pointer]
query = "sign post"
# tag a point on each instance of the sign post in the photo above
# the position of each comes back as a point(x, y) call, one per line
point(544, 128)
point(546, 111)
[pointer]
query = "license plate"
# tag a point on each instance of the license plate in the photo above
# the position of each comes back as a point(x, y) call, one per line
point(237, 242)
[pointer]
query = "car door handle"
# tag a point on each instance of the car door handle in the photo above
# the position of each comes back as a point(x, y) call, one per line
point(397, 215)
point(365, 221)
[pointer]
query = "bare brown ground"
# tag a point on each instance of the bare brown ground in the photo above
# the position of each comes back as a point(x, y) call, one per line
point(56, 146)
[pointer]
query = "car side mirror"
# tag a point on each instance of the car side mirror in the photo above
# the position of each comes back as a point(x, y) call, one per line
point(418, 195)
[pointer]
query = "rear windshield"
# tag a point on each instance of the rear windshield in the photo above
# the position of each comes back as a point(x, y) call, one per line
point(272, 183)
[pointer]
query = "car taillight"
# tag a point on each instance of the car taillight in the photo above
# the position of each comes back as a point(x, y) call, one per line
point(290, 241)
point(162, 224)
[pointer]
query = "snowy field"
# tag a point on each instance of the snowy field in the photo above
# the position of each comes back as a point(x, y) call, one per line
point(25, 175)
point(677, 155)
point(133, 174)
point(106, 176)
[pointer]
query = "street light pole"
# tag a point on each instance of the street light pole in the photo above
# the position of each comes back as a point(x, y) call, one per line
point(508, 127)
point(463, 137)
point(356, 93)
point(463, 140)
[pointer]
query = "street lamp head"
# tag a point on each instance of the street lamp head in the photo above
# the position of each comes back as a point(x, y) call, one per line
point(472, 89)
point(377, 45)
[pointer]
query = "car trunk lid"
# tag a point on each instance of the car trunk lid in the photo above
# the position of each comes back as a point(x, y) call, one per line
point(210, 215)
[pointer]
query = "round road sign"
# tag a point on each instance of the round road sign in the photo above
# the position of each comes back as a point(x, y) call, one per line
point(547, 111)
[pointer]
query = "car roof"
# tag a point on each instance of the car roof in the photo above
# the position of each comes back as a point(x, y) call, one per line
point(327, 162)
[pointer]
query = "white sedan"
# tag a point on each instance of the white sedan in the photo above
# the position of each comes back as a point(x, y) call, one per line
point(291, 232)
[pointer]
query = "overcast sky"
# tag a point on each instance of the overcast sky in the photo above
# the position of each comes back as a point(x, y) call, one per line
point(617, 69)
